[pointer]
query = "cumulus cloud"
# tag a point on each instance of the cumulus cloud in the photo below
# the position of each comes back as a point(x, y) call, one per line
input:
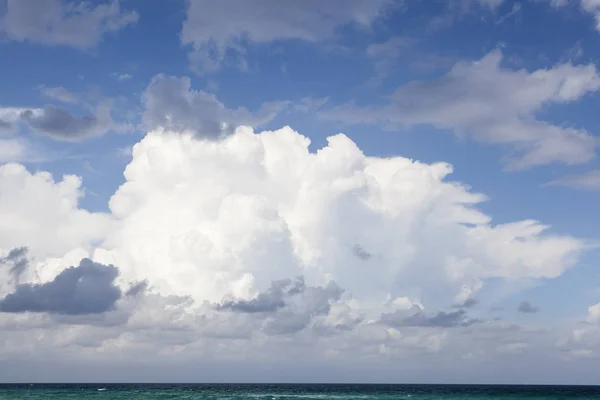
point(171, 103)
point(214, 29)
point(76, 24)
point(254, 206)
point(54, 229)
point(86, 289)
point(296, 315)
point(207, 236)
point(492, 104)
point(583, 340)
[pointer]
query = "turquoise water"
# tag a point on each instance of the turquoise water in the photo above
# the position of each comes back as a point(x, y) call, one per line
point(295, 392)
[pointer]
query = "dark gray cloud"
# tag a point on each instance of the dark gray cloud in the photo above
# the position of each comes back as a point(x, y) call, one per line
point(17, 261)
point(361, 253)
point(527, 308)
point(286, 323)
point(86, 289)
point(137, 288)
point(469, 303)
point(288, 306)
point(269, 301)
point(59, 123)
point(317, 299)
point(417, 318)
point(296, 316)
point(172, 104)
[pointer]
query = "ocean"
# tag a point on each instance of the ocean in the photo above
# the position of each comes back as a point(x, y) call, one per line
point(293, 392)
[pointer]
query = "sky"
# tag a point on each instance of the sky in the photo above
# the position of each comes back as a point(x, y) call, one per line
point(396, 191)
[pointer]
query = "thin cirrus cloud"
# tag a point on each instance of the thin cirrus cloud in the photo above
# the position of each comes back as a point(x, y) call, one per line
point(215, 30)
point(59, 22)
point(588, 181)
point(491, 104)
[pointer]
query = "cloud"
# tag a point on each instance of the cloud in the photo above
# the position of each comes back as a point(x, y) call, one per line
point(11, 115)
point(527, 308)
point(137, 288)
point(516, 8)
point(5, 125)
point(16, 260)
point(415, 317)
point(171, 103)
point(60, 93)
point(48, 231)
point(458, 9)
point(261, 207)
point(58, 22)
point(13, 150)
point(121, 77)
point(589, 180)
point(215, 30)
point(583, 340)
point(469, 303)
point(206, 235)
point(592, 7)
point(388, 53)
point(86, 289)
point(314, 301)
point(61, 124)
point(269, 301)
point(494, 105)
point(58, 122)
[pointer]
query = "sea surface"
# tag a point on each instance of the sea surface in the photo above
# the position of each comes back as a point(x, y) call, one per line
point(293, 392)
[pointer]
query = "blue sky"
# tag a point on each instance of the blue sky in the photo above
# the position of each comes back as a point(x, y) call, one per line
point(505, 92)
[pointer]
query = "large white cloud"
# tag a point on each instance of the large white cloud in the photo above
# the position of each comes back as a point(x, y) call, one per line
point(219, 231)
point(43, 214)
point(204, 219)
